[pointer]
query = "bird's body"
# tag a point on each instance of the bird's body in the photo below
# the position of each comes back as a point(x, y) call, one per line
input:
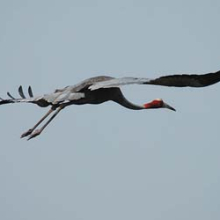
point(100, 89)
point(78, 94)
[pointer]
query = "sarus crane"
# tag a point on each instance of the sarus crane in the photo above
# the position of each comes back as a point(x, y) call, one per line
point(100, 89)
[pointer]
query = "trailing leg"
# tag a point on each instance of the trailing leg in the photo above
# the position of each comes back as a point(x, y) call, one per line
point(38, 123)
point(38, 131)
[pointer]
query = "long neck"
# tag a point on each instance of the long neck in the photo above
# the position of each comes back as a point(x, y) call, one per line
point(124, 102)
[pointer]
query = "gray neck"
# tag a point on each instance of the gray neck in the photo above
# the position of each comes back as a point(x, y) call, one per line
point(124, 102)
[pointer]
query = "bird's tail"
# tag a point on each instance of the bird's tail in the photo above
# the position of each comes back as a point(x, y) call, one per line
point(22, 98)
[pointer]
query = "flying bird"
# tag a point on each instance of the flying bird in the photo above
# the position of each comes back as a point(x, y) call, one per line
point(100, 89)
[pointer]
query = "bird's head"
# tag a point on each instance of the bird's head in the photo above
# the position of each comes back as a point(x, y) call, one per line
point(158, 103)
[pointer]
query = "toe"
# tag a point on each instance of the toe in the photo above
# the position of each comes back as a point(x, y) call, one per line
point(25, 134)
point(34, 134)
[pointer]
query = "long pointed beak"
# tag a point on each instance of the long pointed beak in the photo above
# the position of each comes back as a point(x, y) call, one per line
point(165, 105)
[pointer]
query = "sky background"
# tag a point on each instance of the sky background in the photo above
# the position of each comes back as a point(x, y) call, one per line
point(104, 161)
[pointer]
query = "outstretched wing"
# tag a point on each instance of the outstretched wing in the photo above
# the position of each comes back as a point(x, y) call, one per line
point(39, 100)
point(88, 82)
point(12, 99)
point(59, 96)
point(191, 80)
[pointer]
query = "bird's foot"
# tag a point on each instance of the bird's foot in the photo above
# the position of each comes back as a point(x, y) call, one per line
point(34, 134)
point(25, 134)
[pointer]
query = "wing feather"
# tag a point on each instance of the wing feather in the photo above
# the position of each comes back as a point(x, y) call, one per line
point(30, 92)
point(21, 93)
point(190, 80)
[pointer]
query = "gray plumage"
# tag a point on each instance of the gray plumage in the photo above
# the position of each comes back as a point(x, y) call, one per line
point(100, 89)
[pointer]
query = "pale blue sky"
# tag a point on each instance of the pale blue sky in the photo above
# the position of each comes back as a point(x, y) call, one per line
point(108, 162)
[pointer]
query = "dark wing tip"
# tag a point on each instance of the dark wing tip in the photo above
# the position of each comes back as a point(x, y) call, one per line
point(10, 96)
point(21, 93)
point(183, 80)
point(30, 92)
